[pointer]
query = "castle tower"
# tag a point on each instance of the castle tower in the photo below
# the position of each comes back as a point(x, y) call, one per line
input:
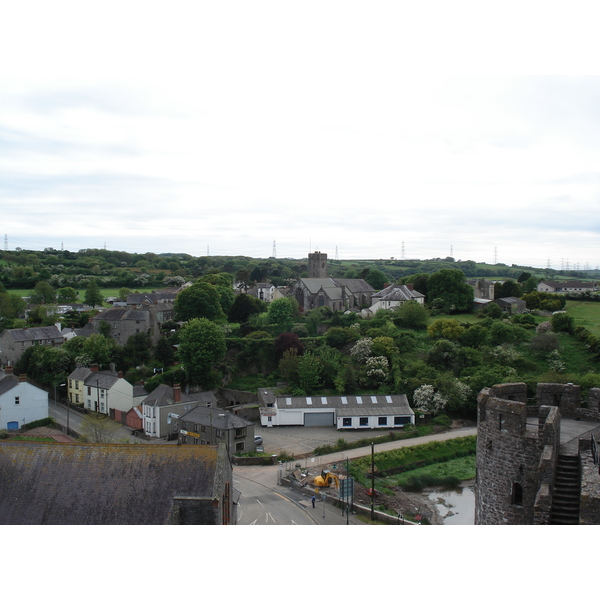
point(515, 462)
point(317, 265)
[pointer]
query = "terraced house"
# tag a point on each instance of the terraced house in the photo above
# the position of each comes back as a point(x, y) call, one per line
point(103, 391)
point(13, 342)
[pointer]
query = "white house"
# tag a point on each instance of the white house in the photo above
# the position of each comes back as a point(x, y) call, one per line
point(342, 412)
point(392, 297)
point(103, 391)
point(21, 402)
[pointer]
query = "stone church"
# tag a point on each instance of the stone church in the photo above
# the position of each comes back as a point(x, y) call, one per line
point(318, 289)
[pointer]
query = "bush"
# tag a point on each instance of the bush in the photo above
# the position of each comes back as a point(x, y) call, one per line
point(48, 422)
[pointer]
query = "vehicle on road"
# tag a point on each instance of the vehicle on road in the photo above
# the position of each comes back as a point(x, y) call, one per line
point(258, 440)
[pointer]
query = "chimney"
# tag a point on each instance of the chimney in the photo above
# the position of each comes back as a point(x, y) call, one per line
point(120, 374)
point(176, 393)
point(409, 286)
point(94, 368)
point(22, 378)
point(8, 370)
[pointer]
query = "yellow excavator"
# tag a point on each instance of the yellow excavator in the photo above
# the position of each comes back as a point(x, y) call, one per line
point(326, 478)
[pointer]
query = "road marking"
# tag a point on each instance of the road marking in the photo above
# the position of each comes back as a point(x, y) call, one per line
point(254, 522)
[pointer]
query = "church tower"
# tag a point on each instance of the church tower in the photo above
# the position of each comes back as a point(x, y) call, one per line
point(317, 265)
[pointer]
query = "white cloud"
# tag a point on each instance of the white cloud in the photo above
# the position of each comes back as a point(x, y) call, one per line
point(337, 125)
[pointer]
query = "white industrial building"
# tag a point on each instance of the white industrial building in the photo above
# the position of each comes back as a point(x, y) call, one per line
point(341, 412)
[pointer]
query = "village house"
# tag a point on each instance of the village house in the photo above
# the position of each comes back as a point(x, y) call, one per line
point(203, 425)
point(121, 323)
point(393, 296)
point(567, 287)
point(21, 401)
point(13, 342)
point(162, 406)
point(103, 391)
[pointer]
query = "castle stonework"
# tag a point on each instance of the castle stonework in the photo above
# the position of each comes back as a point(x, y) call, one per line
point(521, 465)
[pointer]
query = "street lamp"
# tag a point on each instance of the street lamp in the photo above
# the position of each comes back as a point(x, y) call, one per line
point(55, 390)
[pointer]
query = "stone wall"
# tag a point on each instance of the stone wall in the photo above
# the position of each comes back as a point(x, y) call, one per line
point(589, 508)
point(566, 397)
point(514, 461)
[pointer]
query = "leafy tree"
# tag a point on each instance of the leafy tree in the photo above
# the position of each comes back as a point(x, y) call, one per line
point(338, 337)
point(419, 281)
point(66, 295)
point(123, 293)
point(475, 336)
point(136, 351)
point(309, 373)
point(376, 279)
point(164, 352)
point(508, 289)
point(412, 315)
point(98, 349)
point(442, 354)
point(285, 341)
point(43, 293)
point(46, 365)
point(288, 365)
point(244, 306)
point(450, 329)
point(450, 286)
point(201, 347)
point(98, 429)
point(12, 306)
point(281, 313)
point(562, 322)
point(200, 300)
point(93, 294)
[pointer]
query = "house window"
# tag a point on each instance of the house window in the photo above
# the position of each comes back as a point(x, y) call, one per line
point(363, 421)
point(401, 420)
point(101, 393)
point(239, 447)
point(240, 432)
point(89, 391)
point(183, 426)
point(203, 428)
point(89, 403)
point(218, 433)
point(77, 385)
point(17, 400)
point(196, 427)
point(347, 422)
point(101, 406)
point(382, 421)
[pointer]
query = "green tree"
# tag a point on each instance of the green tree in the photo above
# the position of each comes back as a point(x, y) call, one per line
point(281, 313)
point(376, 279)
point(412, 315)
point(450, 329)
point(66, 295)
point(200, 300)
point(562, 322)
point(450, 286)
point(98, 429)
point(508, 289)
point(201, 347)
point(93, 294)
point(98, 349)
point(43, 293)
point(164, 352)
point(244, 306)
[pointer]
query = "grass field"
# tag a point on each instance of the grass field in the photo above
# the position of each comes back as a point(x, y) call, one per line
point(586, 314)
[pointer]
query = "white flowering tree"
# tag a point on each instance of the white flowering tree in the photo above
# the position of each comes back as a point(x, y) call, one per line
point(362, 350)
point(427, 400)
point(378, 368)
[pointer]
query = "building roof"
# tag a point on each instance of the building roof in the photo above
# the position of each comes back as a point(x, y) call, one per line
point(397, 293)
point(570, 284)
point(35, 334)
point(214, 417)
point(97, 484)
point(8, 382)
point(163, 396)
point(117, 313)
point(396, 401)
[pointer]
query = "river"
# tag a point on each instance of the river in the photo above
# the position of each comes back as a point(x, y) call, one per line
point(455, 507)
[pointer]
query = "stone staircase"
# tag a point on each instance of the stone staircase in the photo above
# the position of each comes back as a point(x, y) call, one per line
point(567, 491)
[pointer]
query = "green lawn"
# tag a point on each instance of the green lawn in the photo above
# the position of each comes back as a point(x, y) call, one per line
point(586, 314)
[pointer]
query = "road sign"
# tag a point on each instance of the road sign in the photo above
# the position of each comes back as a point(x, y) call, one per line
point(347, 488)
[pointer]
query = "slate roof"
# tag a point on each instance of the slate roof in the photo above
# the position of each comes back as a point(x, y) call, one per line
point(96, 484)
point(163, 396)
point(397, 293)
point(35, 334)
point(116, 313)
point(212, 417)
point(361, 403)
point(333, 287)
point(7, 383)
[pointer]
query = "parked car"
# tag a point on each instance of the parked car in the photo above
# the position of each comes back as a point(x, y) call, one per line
point(258, 440)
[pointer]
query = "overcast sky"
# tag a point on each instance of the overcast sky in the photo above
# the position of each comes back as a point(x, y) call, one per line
point(366, 130)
